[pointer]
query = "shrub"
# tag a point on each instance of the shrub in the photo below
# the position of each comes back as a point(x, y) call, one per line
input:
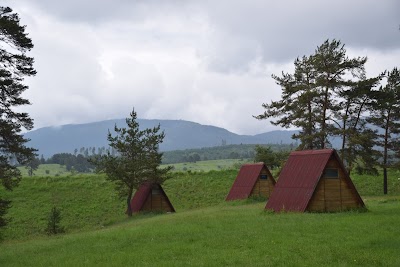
point(53, 223)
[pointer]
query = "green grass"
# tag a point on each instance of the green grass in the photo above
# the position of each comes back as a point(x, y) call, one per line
point(87, 202)
point(226, 235)
point(370, 185)
point(205, 231)
point(209, 165)
point(199, 189)
point(47, 170)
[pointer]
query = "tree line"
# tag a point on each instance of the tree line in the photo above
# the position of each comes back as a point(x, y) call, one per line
point(242, 151)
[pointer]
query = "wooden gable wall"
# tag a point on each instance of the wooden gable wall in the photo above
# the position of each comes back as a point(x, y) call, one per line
point(334, 194)
point(263, 187)
point(157, 201)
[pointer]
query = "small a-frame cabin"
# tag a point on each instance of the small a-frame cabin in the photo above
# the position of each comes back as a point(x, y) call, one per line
point(151, 197)
point(252, 180)
point(316, 181)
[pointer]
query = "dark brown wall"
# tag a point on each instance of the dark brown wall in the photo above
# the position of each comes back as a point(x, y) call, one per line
point(156, 202)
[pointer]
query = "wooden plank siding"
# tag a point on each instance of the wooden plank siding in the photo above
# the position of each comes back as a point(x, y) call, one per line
point(333, 194)
point(156, 202)
point(263, 187)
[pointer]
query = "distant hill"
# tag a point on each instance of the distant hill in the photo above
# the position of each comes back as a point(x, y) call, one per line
point(179, 134)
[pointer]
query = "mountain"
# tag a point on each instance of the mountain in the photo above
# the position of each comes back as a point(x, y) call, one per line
point(179, 134)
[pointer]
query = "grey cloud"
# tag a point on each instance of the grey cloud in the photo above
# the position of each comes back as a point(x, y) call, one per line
point(206, 61)
point(287, 29)
point(102, 11)
point(277, 31)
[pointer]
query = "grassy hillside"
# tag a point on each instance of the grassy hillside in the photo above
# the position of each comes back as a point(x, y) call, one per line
point(89, 201)
point(50, 170)
point(205, 230)
point(47, 170)
point(209, 165)
point(86, 201)
point(226, 235)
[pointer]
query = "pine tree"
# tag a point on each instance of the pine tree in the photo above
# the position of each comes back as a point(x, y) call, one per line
point(14, 66)
point(137, 158)
point(335, 72)
point(53, 222)
point(298, 104)
point(325, 97)
point(358, 140)
point(386, 115)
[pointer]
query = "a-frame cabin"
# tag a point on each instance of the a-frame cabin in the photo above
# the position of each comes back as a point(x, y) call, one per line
point(151, 197)
point(314, 180)
point(252, 180)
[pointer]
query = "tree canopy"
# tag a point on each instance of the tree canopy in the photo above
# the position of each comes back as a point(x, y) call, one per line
point(15, 65)
point(137, 158)
point(326, 97)
point(385, 114)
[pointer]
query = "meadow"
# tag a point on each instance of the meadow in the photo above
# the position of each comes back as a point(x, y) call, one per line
point(205, 230)
point(209, 165)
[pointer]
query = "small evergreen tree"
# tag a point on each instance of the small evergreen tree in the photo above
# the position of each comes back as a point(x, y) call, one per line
point(137, 158)
point(53, 222)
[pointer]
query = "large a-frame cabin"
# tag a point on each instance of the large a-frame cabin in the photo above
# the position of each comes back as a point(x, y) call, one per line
point(314, 180)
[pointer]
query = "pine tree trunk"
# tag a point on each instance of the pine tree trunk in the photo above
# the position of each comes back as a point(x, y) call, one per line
point(385, 154)
point(323, 121)
point(385, 182)
point(128, 202)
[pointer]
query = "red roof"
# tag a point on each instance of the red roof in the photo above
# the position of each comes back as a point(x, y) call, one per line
point(299, 178)
point(245, 180)
point(141, 195)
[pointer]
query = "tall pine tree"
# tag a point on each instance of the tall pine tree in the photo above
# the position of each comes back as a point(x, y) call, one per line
point(298, 106)
point(325, 97)
point(386, 115)
point(15, 65)
point(351, 126)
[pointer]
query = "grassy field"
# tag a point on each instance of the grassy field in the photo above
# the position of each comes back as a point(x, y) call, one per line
point(87, 202)
point(47, 170)
point(233, 234)
point(205, 230)
point(209, 165)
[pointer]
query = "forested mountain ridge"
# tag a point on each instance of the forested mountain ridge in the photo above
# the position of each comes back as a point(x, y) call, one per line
point(179, 134)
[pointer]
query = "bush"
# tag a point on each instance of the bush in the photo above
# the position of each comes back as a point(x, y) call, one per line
point(53, 223)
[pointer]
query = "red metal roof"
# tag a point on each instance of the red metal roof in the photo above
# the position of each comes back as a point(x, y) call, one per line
point(298, 179)
point(141, 195)
point(245, 180)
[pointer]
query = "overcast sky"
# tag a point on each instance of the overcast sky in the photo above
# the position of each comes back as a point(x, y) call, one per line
point(204, 61)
